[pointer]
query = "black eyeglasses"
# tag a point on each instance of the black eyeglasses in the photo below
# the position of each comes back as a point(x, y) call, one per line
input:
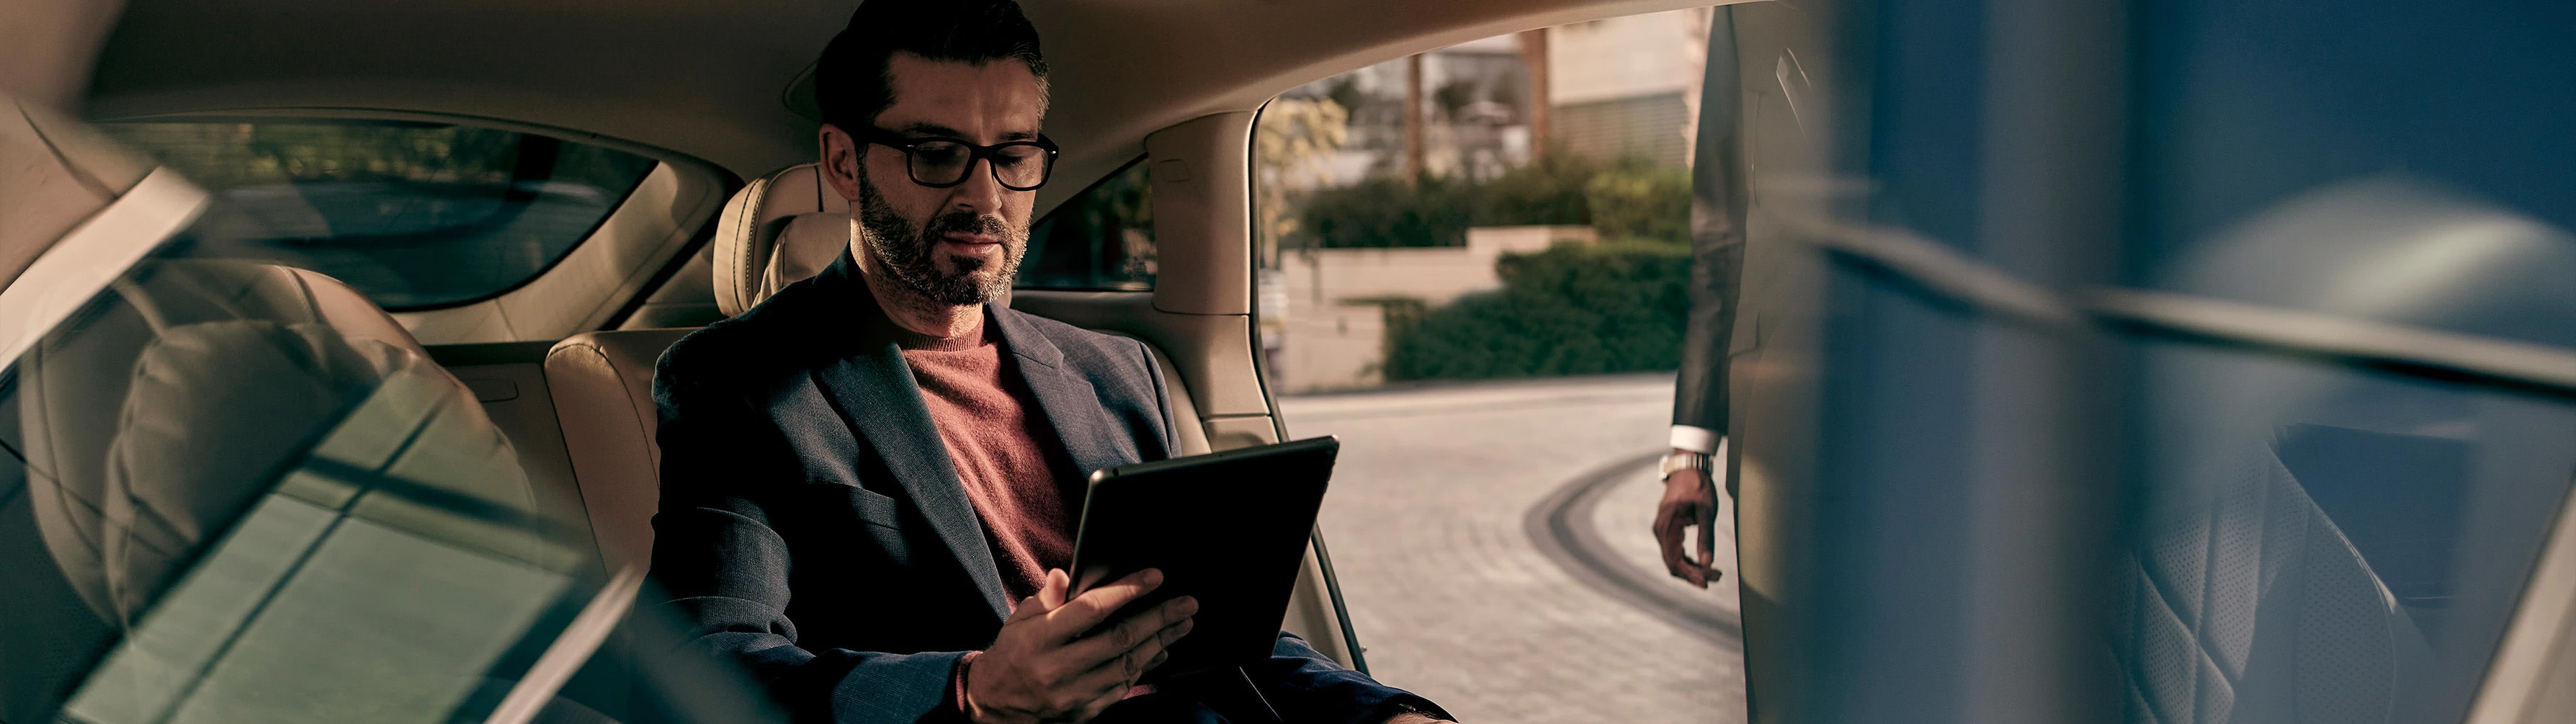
point(944, 162)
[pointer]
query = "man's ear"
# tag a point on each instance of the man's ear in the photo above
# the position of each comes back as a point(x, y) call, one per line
point(840, 163)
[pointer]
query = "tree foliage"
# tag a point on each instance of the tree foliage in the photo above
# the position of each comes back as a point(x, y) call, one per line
point(1296, 136)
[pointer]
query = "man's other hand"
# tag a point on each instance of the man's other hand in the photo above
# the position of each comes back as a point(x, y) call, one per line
point(1689, 502)
point(1041, 668)
point(1417, 719)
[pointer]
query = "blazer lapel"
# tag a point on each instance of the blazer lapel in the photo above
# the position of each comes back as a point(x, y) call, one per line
point(874, 391)
point(1068, 401)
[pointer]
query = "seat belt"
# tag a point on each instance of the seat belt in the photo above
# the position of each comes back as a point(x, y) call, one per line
point(1256, 708)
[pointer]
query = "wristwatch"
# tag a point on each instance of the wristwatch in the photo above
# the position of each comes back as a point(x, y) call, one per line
point(1682, 460)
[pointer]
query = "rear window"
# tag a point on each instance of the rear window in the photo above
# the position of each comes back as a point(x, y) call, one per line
point(1101, 239)
point(415, 215)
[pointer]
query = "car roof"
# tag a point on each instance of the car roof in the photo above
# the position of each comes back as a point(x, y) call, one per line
point(710, 79)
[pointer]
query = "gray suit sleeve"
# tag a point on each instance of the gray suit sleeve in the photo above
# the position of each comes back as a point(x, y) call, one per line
point(1718, 206)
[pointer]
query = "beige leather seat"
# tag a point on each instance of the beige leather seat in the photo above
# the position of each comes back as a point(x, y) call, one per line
point(194, 435)
point(778, 229)
point(132, 416)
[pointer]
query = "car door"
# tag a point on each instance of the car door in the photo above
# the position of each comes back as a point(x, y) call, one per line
point(2156, 362)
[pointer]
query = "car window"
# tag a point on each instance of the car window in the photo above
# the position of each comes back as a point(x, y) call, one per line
point(1102, 238)
point(416, 215)
point(2389, 519)
point(219, 505)
point(2341, 165)
point(1474, 268)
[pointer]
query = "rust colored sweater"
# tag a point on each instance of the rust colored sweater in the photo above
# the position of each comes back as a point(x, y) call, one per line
point(998, 441)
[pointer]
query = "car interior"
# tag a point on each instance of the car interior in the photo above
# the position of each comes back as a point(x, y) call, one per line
point(666, 181)
point(731, 208)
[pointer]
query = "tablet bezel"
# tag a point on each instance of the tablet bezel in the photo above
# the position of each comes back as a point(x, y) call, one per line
point(1155, 479)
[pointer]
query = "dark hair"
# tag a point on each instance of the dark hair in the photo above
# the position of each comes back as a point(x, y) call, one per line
point(850, 82)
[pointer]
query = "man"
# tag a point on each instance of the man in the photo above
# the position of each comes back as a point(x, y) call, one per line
point(869, 480)
point(1717, 261)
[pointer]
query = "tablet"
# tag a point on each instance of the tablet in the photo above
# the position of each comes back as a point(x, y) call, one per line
point(1228, 528)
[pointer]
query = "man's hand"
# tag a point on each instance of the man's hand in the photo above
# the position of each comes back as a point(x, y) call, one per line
point(1417, 719)
point(1041, 668)
point(1689, 502)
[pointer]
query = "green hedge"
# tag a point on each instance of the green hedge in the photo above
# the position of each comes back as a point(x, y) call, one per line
point(1621, 199)
point(1381, 212)
point(1573, 309)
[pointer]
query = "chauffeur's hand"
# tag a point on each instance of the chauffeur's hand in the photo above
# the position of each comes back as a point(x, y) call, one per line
point(1041, 668)
point(1689, 502)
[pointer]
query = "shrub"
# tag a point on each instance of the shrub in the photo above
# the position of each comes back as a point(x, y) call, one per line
point(1380, 212)
point(1573, 309)
point(1641, 201)
point(1548, 190)
point(1629, 198)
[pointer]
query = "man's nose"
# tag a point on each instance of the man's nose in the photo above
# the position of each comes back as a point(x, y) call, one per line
point(980, 193)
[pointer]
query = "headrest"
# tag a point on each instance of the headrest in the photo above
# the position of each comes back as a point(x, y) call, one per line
point(778, 229)
point(130, 417)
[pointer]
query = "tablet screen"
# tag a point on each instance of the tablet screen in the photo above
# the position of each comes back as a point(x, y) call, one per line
point(1228, 528)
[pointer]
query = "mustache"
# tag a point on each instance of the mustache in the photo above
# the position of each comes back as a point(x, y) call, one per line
point(965, 223)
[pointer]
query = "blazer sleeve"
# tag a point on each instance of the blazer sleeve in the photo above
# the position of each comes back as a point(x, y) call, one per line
point(1171, 432)
point(1304, 686)
point(726, 568)
point(1699, 395)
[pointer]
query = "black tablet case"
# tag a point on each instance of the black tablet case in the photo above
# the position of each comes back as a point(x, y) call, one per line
point(1229, 528)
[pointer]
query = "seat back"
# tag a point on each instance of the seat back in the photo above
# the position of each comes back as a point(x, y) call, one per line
point(2254, 607)
point(602, 384)
point(778, 229)
point(123, 420)
point(205, 429)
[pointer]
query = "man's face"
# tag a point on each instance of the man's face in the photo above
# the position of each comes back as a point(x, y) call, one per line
point(958, 245)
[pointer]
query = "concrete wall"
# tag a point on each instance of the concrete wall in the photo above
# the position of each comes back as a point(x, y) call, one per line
point(1323, 341)
point(1622, 76)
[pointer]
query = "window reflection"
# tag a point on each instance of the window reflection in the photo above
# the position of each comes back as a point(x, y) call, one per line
point(417, 215)
point(222, 503)
point(1102, 238)
point(2319, 541)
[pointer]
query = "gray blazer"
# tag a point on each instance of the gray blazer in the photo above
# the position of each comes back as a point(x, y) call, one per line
point(813, 529)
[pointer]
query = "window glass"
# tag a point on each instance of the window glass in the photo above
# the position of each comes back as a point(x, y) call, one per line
point(2409, 160)
point(416, 215)
point(2318, 539)
point(1483, 294)
point(1102, 238)
point(217, 506)
point(2343, 542)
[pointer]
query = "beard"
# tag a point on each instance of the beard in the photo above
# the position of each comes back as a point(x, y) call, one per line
point(908, 252)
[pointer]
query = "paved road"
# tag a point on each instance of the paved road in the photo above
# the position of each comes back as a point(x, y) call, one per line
point(1461, 592)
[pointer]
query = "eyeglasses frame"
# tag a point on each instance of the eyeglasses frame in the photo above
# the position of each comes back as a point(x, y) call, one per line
point(975, 154)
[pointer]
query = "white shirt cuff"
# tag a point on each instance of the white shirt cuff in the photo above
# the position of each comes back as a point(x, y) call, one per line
point(1695, 439)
